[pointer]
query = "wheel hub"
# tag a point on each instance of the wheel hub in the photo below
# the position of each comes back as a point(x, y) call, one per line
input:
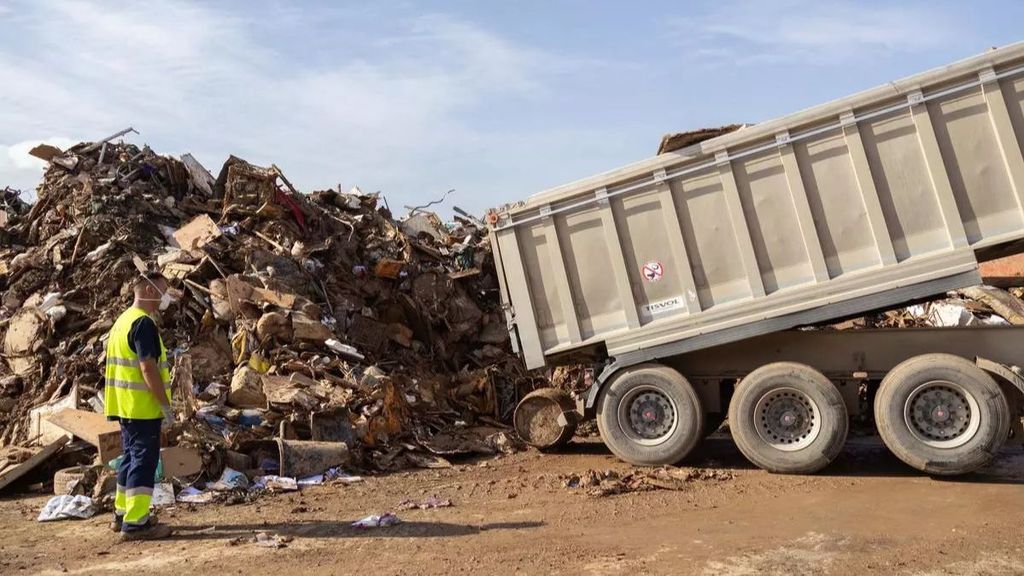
point(648, 415)
point(787, 419)
point(942, 414)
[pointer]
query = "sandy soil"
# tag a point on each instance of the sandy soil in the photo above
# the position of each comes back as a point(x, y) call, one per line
point(867, 514)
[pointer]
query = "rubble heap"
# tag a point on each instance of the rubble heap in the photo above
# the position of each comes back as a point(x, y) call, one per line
point(302, 316)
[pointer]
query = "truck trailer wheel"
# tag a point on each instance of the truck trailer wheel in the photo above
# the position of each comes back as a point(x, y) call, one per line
point(942, 414)
point(650, 415)
point(788, 418)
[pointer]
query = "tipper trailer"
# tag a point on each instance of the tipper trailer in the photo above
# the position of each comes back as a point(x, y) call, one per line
point(681, 274)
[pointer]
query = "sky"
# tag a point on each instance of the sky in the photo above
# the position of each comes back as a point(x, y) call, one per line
point(496, 100)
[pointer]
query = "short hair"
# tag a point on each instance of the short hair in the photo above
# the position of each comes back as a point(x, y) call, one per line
point(144, 279)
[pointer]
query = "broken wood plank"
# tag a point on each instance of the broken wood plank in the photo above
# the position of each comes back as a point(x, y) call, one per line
point(12, 474)
point(306, 328)
point(45, 152)
point(199, 232)
point(1000, 301)
point(179, 461)
point(93, 428)
point(42, 429)
point(273, 297)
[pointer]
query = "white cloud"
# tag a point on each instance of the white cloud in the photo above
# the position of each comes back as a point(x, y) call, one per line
point(192, 78)
point(817, 32)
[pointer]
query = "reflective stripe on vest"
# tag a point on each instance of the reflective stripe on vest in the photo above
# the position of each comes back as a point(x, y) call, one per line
point(125, 393)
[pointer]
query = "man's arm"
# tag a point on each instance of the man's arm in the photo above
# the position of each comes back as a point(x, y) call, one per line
point(151, 374)
point(145, 342)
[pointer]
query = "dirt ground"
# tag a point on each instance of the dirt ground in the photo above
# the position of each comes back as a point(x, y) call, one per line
point(867, 514)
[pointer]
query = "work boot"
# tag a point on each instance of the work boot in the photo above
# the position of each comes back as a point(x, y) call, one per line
point(118, 522)
point(149, 532)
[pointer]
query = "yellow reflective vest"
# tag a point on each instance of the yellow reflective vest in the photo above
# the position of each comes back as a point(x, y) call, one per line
point(125, 394)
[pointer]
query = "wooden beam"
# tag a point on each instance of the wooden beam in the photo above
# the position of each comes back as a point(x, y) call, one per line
point(36, 459)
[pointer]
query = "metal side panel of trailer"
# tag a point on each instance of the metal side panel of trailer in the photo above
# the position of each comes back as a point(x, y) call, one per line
point(850, 204)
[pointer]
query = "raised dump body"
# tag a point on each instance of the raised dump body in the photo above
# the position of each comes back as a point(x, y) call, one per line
point(861, 203)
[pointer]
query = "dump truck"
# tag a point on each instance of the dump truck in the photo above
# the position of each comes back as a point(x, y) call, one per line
point(689, 280)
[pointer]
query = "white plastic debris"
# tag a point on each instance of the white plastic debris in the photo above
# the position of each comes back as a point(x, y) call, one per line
point(193, 495)
point(163, 494)
point(230, 479)
point(377, 521)
point(344, 349)
point(98, 252)
point(67, 507)
point(950, 314)
point(276, 483)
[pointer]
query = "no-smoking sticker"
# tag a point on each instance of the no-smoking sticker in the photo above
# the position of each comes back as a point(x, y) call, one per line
point(653, 271)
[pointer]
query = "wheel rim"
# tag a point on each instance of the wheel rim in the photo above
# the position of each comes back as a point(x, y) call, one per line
point(942, 414)
point(647, 415)
point(787, 419)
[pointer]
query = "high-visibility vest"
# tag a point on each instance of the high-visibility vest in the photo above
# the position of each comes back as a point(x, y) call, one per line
point(125, 394)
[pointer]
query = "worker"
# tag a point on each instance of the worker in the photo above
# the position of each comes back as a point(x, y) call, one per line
point(138, 394)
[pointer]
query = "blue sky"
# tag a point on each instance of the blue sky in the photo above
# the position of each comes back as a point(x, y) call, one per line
point(497, 100)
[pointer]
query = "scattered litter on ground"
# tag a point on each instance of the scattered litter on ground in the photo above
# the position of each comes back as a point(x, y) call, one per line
point(377, 521)
point(610, 482)
point(276, 483)
point(163, 494)
point(264, 539)
point(67, 507)
point(193, 495)
point(432, 502)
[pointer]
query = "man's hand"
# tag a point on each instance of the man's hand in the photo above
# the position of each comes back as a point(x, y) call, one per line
point(168, 416)
point(151, 374)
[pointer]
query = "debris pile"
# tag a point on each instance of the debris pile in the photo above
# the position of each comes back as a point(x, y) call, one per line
point(610, 482)
point(975, 306)
point(306, 317)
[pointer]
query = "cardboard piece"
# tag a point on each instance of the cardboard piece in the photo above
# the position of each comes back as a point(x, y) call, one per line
point(12, 474)
point(389, 269)
point(25, 333)
point(45, 152)
point(281, 391)
point(42, 429)
point(273, 297)
point(199, 232)
point(179, 461)
point(93, 428)
point(306, 328)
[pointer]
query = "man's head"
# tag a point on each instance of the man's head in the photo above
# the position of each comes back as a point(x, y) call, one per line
point(151, 291)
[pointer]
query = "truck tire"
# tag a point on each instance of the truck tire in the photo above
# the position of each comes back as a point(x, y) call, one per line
point(788, 418)
point(941, 414)
point(65, 477)
point(650, 415)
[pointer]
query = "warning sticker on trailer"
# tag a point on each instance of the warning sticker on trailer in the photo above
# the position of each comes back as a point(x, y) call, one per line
point(653, 271)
